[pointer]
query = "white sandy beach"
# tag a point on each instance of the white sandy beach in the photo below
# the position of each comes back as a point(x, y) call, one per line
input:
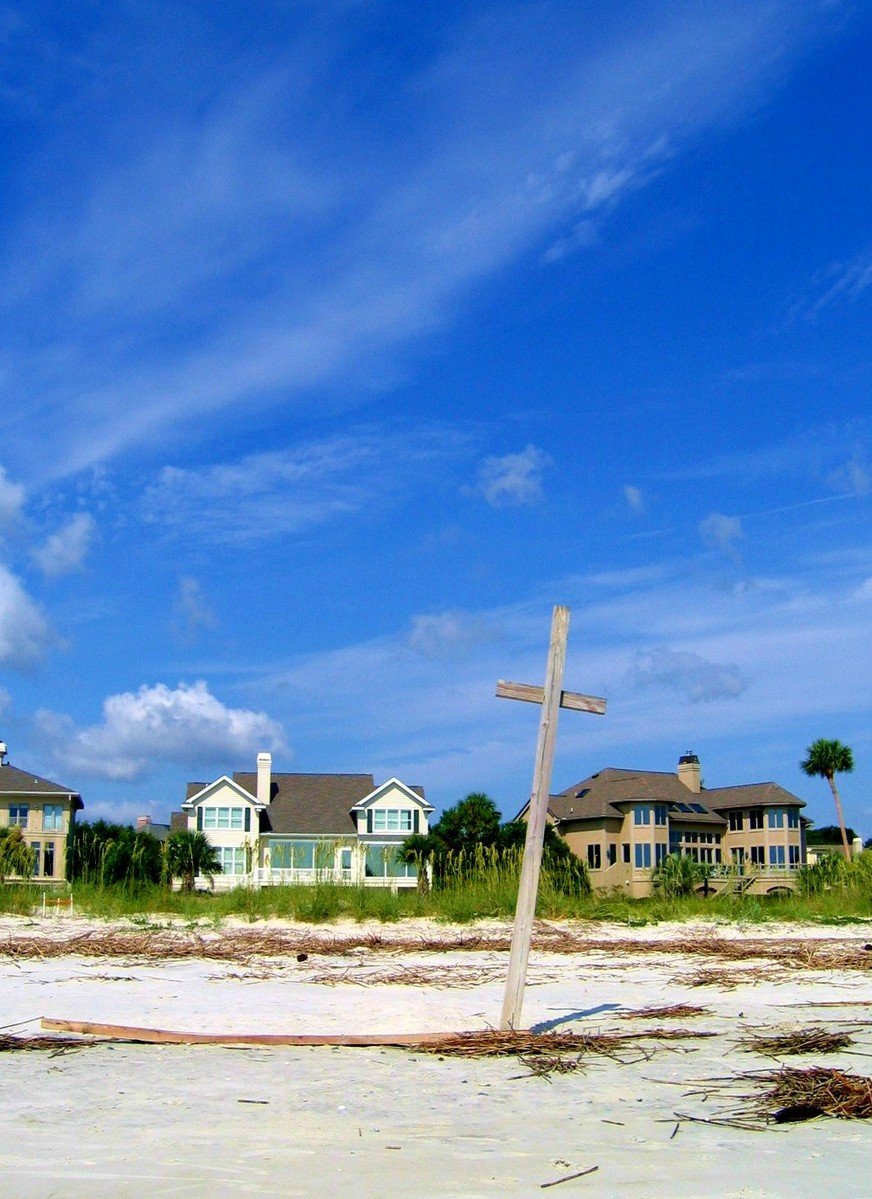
point(128, 1120)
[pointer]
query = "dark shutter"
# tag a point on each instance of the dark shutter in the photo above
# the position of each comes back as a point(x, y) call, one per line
point(199, 818)
point(416, 821)
point(248, 820)
point(369, 820)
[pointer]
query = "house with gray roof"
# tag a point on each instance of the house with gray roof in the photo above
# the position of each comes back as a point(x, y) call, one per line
point(623, 823)
point(274, 827)
point(44, 811)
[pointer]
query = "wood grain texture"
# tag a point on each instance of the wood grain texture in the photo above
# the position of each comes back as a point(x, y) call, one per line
point(163, 1036)
point(536, 695)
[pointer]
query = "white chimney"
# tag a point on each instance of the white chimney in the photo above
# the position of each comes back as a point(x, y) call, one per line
point(264, 777)
point(143, 822)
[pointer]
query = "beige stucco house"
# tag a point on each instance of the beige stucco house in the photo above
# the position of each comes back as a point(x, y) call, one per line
point(623, 823)
point(273, 827)
point(44, 811)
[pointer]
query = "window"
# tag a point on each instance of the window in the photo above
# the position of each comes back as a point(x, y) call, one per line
point(381, 862)
point(641, 814)
point(739, 856)
point(52, 818)
point(594, 857)
point(736, 822)
point(775, 817)
point(776, 855)
point(697, 807)
point(755, 818)
point(231, 818)
point(232, 859)
point(626, 853)
point(660, 814)
point(643, 857)
point(659, 852)
point(48, 860)
point(758, 855)
point(612, 855)
point(35, 846)
point(792, 818)
point(345, 859)
point(18, 813)
point(718, 856)
point(794, 855)
point(392, 820)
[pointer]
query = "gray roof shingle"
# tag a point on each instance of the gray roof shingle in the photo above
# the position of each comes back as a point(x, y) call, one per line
point(21, 782)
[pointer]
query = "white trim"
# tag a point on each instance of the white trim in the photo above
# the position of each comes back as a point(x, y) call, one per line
point(370, 799)
point(195, 800)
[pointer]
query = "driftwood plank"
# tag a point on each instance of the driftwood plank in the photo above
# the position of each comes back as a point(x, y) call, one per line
point(163, 1036)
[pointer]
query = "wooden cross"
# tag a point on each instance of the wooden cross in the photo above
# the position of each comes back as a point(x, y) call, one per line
point(552, 698)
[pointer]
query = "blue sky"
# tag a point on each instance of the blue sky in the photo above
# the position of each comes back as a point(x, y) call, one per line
point(340, 340)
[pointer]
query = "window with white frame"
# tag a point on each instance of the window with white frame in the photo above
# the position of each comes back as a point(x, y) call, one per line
point(18, 813)
point(232, 859)
point(792, 818)
point(755, 818)
point(794, 855)
point(775, 817)
point(52, 817)
point(643, 857)
point(594, 857)
point(642, 814)
point(392, 820)
point(776, 855)
point(224, 818)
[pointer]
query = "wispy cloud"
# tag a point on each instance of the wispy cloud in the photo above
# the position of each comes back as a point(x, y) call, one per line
point(25, 633)
point(690, 674)
point(843, 282)
point(450, 633)
point(287, 491)
point(513, 479)
point(346, 264)
point(635, 498)
point(141, 731)
point(722, 533)
point(66, 549)
point(191, 612)
point(12, 497)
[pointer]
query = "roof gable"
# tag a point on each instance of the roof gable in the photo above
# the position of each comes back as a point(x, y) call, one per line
point(207, 790)
point(414, 794)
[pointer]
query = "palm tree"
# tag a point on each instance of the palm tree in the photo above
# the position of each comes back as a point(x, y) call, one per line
point(189, 853)
point(16, 856)
point(825, 759)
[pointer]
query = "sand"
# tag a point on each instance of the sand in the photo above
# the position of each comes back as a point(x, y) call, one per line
point(126, 1120)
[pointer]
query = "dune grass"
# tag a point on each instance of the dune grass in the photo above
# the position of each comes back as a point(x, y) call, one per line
point(490, 893)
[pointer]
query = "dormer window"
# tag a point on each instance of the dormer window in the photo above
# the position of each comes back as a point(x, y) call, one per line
point(391, 820)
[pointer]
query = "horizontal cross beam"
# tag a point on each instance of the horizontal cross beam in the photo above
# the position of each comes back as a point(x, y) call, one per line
point(536, 695)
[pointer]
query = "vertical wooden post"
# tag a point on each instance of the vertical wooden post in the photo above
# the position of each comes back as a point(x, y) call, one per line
point(531, 864)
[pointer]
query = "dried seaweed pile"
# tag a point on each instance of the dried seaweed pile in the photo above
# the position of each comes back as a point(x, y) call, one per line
point(241, 945)
point(728, 978)
point(787, 1096)
point(10, 1044)
point(438, 975)
point(796, 1041)
point(675, 1011)
point(561, 1050)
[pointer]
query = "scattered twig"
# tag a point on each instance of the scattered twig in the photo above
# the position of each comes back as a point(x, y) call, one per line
point(569, 1177)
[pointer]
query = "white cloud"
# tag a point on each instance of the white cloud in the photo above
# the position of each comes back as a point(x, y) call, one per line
point(722, 533)
point(25, 634)
point(635, 498)
point(693, 676)
point(449, 633)
point(141, 731)
point(513, 479)
point(11, 500)
point(191, 612)
point(516, 133)
point(66, 550)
